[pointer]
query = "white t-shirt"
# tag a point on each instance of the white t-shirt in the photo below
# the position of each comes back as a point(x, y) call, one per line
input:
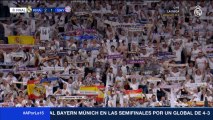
point(194, 54)
point(188, 47)
point(134, 86)
point(120, 80)
point(7, 57)
point(25, 31)
point(201, 62)
point(49, 90)
point(45, 33)
point(177, 54)
point(124, 69)
point(25, 79)
point(198, 78)
point(11, 79)
point(177, 74)
point(7, 29)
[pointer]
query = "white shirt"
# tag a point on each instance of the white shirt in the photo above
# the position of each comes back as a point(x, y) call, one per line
point(124, 69)
point(115, 68)
point(194, 54)
point(112, 101)
point(198, 78)
point(11, 79)
point(25, 79)
point(188, 47)
point(201, 62)
point(49, 90)
point(177, 54)
point(120, 80)
point(7, 57)
point(7, 29)
point(91, 61)
point(44, 35)
point(134, 86)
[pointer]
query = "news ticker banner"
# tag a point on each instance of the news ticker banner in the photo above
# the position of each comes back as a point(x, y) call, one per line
point(106, 113)
point(29, 9)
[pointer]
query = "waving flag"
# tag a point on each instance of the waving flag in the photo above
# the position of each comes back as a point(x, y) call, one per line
point(35, 90)
point(88, 90)
point(23, 40)
point(134, 93)
point(92, 91)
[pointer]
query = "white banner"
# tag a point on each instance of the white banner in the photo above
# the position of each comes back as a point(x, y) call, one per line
point(170, 86)
point(72, 97)
point(53, 68)
point(48, 68)
point(41, 48)
point(81, 92)
point(135, 29)
point(17, 54)
point(153, 79)
point(134, 76)
point(139, 95)
point(59, 68)
point(111, 23)
point(175, 78)
point(195, 84)
point(177, 65)
point(20, 82)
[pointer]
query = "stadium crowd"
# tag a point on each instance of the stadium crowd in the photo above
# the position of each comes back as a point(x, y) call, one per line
point(140, 54)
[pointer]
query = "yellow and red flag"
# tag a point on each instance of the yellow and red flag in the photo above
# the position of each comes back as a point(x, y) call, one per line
point(134, 93)
point(92, 91)
point(35, 90)
point(22, 40)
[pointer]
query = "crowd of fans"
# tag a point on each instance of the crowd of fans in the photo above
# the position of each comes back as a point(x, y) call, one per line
point(118, 57)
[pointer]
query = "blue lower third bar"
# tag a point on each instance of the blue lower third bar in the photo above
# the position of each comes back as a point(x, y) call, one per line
point(24, 113)
point(106, 113)
point(37, 10)
point(131, 113)
point(57, 10)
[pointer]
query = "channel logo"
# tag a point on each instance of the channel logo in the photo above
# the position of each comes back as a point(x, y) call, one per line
point(68, 9)
point(197, 11)
point(18, 10)
point(29, 9)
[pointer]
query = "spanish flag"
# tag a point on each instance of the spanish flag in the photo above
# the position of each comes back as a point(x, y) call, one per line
point(134, 93)
point(100, 96)
point(88, 90)
point(92, 91)
point(22, 40)
point(35, 90)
